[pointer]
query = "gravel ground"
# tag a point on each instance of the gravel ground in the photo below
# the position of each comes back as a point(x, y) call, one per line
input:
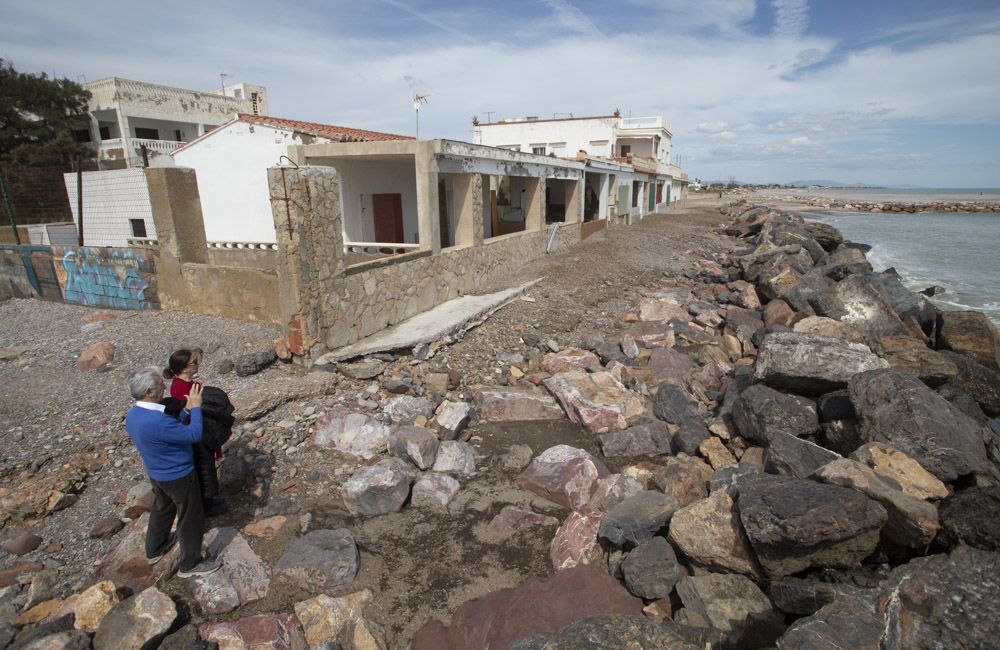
point(50, 412)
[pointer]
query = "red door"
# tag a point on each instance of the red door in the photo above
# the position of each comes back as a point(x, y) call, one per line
point(388, 210)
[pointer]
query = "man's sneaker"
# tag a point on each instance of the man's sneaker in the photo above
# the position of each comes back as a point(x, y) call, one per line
point(203, 568)
point(171, 540)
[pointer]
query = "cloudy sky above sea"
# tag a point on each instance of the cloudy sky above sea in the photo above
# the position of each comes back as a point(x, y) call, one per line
point(870, 91)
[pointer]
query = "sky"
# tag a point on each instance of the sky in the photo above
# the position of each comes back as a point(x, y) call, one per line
point(883, 92)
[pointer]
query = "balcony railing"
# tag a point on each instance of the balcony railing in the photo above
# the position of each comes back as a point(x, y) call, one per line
point(643, 123)
point(379, 248)
point(156, 146)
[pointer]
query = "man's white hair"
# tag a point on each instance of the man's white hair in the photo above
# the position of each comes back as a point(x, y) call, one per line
point(143, 380)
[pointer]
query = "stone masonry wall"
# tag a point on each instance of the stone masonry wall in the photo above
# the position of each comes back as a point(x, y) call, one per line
point(327, 305)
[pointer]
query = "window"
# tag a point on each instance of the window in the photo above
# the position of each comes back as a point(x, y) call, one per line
point(626, 149)
point(138, 227)
point(238, 93)
point(538, 150)
point(178, 136)
point(147, 134)
point(105, 132)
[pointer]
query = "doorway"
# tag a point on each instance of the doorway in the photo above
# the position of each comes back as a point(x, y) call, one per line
point(388, 212)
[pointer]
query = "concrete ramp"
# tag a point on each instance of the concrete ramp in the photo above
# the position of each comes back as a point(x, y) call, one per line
point(447, 318)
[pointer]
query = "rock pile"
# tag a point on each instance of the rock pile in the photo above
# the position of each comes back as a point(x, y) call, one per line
point(849, 205)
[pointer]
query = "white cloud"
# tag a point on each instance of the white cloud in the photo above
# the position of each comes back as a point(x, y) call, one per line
point(791, 17)
point(711, 127)
point(569, 17)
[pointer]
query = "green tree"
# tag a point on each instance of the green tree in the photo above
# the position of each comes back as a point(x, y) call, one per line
point(38, 118)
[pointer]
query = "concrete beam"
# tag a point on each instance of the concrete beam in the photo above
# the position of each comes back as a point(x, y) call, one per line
point(469, 198)
point(534, 217)
point(428, 206)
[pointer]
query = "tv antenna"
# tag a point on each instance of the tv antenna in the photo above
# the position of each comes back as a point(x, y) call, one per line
point(222, 79)
point(417, 101)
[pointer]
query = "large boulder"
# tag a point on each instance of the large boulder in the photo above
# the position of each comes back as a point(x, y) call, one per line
point(613, 631)
point(405, 409)
point(943, 601)
point(434, 491)
point(667, 366)
point(907, 304)
point(661, 309)
point(912, 522)
point(98, 355)
point(611, 491)
point(536, 607)
point(564, 475)
point(684, 477)
point(972, 517)
point(973, 334)
point(761, 411)
point(455, 457)
point(651, 569)
point(796, 457)
point(352, 433)
point(416, 444)
point(901, 469)
point(708, 532)
point(825, 235)
point(637, 518)
point(379, 489)
point(850, 622)
point(137, 622)
point(901, 411)
point(575, 541)
point(264, 631)
point(514, 403)
point(324, 618)
point(794, 524)
point(242, 579)
point(933, 368)
point(319, 561)
point(811, 364)
point(126, 565)
point(597, 400)
point(825, 326)
point(806, 596)
point(981, 383)
point(644, 438)
point(733, 604)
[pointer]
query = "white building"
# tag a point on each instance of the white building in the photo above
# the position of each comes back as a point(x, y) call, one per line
point(231, 164)
point(127, 116)
point(642, 142)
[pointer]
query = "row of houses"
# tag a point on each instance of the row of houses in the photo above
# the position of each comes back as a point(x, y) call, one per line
point(228, 138)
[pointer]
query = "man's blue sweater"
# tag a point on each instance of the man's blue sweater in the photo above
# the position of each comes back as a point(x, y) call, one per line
point(163, 442)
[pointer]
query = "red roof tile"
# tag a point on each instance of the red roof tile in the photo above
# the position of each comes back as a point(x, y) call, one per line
point(332, 131)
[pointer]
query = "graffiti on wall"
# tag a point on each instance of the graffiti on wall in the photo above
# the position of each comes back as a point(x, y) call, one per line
point(105, 277)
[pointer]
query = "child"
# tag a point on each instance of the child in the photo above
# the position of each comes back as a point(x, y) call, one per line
point(182, 370)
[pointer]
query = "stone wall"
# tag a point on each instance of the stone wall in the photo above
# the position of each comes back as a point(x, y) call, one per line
point(327, 305)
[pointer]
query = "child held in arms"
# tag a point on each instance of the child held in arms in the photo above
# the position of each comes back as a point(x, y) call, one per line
point(217, 421)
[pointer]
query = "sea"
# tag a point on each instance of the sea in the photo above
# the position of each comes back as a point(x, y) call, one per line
point(917, 195)
point(957, 251)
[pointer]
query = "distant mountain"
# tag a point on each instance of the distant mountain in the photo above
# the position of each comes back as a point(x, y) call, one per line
point(828, 184)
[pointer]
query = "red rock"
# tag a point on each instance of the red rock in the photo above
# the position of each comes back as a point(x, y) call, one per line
point(661, 309)
point(127, 565)
point(596, 400)
point(576, 542)
point(667, 365)
point(264, 632)
point(106, 527)
point(511, 519)
point(281, 349)
point(96, 356)
point(570, 359)
point(564, 475)
point(22, 544)
point(141, 506)
point(9, 576)
point(652, 334)
point(267, 528)
point(514, 403)
point(777, 312)
point(536, 607)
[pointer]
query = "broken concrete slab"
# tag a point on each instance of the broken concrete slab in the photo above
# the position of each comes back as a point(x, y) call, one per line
point(456, 315)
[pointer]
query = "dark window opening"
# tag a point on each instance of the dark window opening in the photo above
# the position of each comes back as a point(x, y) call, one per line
point(138, 227)
point(105, 132)
point(147, 134)
point(626, 150)
point(81, 135)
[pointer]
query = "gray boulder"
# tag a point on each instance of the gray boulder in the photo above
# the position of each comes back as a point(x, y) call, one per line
point(320, 561)
point(382, 488)
point(802, 596)
point(644, 438)
point(825, 235)
point(796, 457)
point(416, 444)
point(811, 364)
point(651, 569)
point(637, 518)
point(733, 604)
point(251, 364)
point(612, 631)
point(760, 411)
point(943, 601)
point(455, 457)
point(139, 621)
point(978, 381)
point(848, 623)
point(901, 411)
point(794, 524)
point(971, 517)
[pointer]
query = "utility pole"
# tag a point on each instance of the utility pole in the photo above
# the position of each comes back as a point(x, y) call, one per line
point(222, 80)
point(489, 118)
point(417, 101)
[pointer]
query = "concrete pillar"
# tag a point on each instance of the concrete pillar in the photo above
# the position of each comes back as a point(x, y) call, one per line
point(469, 200)
point(180, 230)
point(574, 201)
point(306, 206)
point(126, 138)
point(603, 197)
point(428, 206)
point(534, 217)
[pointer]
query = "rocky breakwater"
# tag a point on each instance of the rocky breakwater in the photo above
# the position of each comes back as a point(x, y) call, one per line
point(851, 205)
point(792, 452)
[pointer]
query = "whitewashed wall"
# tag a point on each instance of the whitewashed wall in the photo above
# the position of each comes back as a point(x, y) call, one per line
point(231, 164)
point(110, 199)
point(577, 134)
point(359, 180)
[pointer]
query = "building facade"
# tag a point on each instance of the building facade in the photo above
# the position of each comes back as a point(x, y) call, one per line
point(138, 124)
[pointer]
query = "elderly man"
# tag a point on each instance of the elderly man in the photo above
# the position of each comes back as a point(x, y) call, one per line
point(165, 445)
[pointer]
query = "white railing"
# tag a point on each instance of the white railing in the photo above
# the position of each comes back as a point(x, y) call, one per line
point(642, 123)
point(144, 242)
point(379, 248)
point(111, 143)
point(157, 146)
point(243, 245)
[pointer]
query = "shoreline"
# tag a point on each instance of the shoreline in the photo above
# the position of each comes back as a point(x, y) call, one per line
point(874, 206)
